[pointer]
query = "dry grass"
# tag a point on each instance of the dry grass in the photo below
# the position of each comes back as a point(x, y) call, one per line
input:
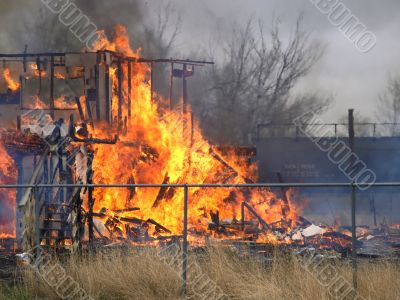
point(142, 275)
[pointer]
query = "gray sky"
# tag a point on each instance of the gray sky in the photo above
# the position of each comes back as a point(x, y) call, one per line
point(354, 79)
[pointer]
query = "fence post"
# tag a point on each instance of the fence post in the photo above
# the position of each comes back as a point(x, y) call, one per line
point(353, 203)
point(185, 243)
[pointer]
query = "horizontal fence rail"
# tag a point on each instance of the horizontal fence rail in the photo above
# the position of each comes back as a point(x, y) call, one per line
point(365, 129)
point(208, 185)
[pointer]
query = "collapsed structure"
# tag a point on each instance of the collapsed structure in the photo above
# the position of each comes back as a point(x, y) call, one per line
point(74, 118)
point(96, 90)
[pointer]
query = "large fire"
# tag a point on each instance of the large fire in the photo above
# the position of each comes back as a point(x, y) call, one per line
point(169, 152)
point(8, 175)
point(162, 146)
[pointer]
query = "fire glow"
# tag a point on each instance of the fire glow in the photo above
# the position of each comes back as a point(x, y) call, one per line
point(160, 145)
point(169, 154)
point(11, 83)
point(8, 175)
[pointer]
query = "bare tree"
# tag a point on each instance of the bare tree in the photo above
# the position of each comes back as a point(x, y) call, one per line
point(157, 40)
point(389, 106)
point(253, 85)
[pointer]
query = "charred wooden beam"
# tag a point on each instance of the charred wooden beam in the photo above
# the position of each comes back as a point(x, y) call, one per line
point(215, 217)
point(107, 91)
point(89, 180)
point(87, 140)
point(120, 96)
point(19, 123)
point(131, 190)
point(78, 223)
point(129, 90)
point(255, 214)
point(126, 210)
point(161, 192)
point(38, 65)
point(132, 220)
point(51, 87)
point(89, 111)
point(170, 193)
point(97, 84)
point(222, 161)
point(24, 58)
point(235, 173)
point(184, 93)
point(151, 221)
point(80, 110)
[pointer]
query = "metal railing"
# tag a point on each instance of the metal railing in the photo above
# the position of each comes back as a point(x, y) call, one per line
point(353, 186)
point(336, 129)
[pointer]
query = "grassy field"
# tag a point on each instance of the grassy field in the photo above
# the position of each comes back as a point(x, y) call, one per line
point(212, 274)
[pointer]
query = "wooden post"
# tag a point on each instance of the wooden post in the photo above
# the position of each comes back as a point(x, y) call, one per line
point(171, 87)
point(151, 80)
point(129, 90)
point(36, 206)
point(80, 110)
point(19, 160)
point(107, 89)
point(89, 180)
point(46, 178)
point(184, 100)
point(120, 97)
point(184, 91)
point(52, 87)
point(97, 85)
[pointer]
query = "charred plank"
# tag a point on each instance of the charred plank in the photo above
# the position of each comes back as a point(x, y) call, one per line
point(162, 191)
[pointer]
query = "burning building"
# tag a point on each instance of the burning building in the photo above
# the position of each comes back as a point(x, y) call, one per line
point(76, 122)
point(84, 118)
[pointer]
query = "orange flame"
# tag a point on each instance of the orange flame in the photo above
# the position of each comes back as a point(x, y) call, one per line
point(8, 175)
point(36, 103)
point(165, 151)
point(60, 75)
point(61, 103)
point(36, 72)
point(12, 85)
point(159, 146)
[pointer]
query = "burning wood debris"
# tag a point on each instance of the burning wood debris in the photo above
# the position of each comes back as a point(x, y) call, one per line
point(153, 145)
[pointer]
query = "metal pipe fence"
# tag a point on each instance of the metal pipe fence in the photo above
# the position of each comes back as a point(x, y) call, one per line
point(351, 185)
point(208, 185)
point(335, 129)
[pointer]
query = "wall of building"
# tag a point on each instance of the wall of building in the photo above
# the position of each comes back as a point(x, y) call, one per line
point(300, 160)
